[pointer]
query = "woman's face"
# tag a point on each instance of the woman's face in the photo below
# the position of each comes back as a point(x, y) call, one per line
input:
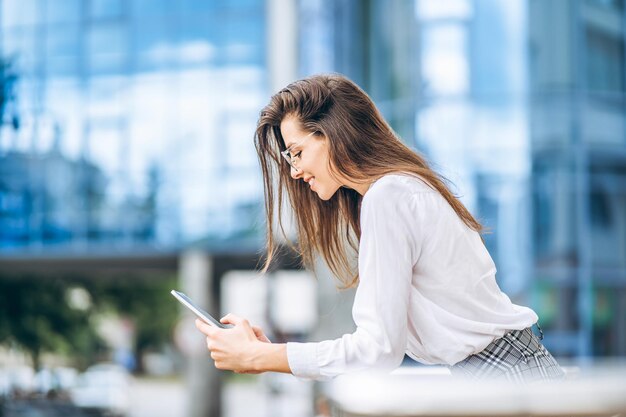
point(311, 156)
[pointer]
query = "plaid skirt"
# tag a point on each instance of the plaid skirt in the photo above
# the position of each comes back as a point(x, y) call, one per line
point(517, 356)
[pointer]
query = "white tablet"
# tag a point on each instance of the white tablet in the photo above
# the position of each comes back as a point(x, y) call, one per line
point(206, 317)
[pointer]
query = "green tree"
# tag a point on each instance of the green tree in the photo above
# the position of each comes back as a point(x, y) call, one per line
point(35, 315)
point(146, 300)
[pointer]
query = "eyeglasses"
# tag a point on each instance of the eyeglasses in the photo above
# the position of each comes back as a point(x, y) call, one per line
point(291, 159)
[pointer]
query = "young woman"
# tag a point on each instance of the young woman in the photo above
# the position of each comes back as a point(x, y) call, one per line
point(425, 283)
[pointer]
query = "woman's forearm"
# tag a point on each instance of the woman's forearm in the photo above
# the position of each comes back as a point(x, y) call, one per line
point(271, 357)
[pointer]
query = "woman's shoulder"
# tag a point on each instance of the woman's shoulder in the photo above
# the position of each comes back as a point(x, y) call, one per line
point(400, 196)
point(397, 185)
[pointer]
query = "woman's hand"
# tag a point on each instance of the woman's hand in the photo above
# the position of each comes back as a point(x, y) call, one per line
point(235, 349)
point(258, 332)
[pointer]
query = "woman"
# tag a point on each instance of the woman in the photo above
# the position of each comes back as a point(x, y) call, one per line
point(425, 283)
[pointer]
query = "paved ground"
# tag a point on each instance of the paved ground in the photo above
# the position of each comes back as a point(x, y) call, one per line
point(253, 398)
point(267, 396)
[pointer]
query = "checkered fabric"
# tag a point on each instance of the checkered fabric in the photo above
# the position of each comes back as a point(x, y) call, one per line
point(518, 356)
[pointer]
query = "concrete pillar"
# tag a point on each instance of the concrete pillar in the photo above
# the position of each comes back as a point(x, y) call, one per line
point(282, 63)
point(282, 43)
point(202, 378)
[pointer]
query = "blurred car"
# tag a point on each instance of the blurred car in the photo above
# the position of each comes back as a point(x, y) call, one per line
point(104, 389)
point(55, 381)
point(44, 381)
point(66, 377)
point(21, 379)
point(5, 384)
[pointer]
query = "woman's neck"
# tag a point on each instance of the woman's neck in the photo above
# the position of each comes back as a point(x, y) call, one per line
point(360, 187)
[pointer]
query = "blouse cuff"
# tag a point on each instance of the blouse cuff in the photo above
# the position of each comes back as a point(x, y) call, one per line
point(302, 358)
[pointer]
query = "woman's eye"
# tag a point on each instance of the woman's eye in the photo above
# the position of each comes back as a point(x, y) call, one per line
point(297, 155)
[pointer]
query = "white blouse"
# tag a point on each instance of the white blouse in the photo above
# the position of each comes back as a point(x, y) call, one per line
point(427, 288)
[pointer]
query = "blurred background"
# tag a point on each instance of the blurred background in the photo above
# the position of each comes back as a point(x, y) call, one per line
point(127, 168)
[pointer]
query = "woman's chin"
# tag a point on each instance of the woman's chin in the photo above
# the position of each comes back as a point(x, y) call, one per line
point(321, 196)
point(324, 194)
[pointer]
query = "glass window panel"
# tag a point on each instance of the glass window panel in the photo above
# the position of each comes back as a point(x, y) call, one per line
point(108, 97)
point(196, 28)
point(63, 40)
point(64, 101)
point(47, 132)
point(62, 65)
point(107, 63)
point(443, 9)
point(193, 120)
point(21, 46)
point(444, 59)
point(107, 38)
point(613, 4)
point(246, 28)
point(241, 153)
point(155, 47)
point(605, 61)
point(243, 96)
point(62, 50)
point(196, 52)
point(153, 132)
point(200, 109)
point(443, 127)
point(143, 8)
point(65, 11)
point(195, 198)
point(243, 53)
point(198, 41)
point(26, 91)
point(198, 6)
point(223, 40)
point(145, 147)
point(233, 8)
point(140, 181)
point(155, 137)
point(106, 146)
point(107, 46)
point(153, 99)
point(245, 42)
point(106, 9)
point(20, 13)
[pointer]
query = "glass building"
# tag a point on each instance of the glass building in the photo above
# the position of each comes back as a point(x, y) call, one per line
point(129, 122)
point(521, 105)
point(577, 73)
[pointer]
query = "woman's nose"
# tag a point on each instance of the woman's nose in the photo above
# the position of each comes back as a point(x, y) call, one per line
point(295, 173)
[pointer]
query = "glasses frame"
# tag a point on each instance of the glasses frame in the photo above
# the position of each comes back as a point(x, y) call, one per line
point(287, 152)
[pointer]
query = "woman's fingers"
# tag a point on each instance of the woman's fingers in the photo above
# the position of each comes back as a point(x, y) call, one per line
point(205, 328)
point(230, 349)
point(236, 320)
point(258, 332)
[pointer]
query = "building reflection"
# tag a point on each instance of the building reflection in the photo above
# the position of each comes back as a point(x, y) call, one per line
point(134, 122)
point(521, 105)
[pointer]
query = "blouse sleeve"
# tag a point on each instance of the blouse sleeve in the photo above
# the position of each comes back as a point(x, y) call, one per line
point(387, 252)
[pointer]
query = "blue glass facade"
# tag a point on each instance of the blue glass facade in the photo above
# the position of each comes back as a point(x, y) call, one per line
point(521, 104)
point(129, 122)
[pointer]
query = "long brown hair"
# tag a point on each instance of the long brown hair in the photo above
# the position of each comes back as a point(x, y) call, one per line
point(362, 147)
